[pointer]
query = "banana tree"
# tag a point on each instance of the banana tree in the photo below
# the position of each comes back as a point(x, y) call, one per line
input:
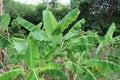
point(48, 53)
point(4, 42)
point(42, 47)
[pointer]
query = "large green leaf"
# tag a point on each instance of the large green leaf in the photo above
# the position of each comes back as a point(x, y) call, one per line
point(66, 21)
point(4, 42)
point(74, 31)
point(32, 54)
point(20, 44)
point(78, 25)
point(83, 43)
point(50, 48)
point(80, 47)
point(26, 24)
point(85, 40)
point(54, 70)
point(4, 22)
point(107, 66)
point(108, 39)
point(51, 65)
point(41, 36)
point(12, 74)
point(49, 21)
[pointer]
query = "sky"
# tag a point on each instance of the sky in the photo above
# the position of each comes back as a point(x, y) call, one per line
point(37, 1)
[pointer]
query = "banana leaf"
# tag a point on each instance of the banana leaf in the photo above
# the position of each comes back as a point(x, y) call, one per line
point(54, 70)
point(32, 54)
point(49, 21)
point(4, 42)
point(106, 66)
point(41, 36)
point(20, 44)
point(12, 74)
point(108, 39)
point(4, 22)
point(28, 25)
point(74, 30)
point(66, 21)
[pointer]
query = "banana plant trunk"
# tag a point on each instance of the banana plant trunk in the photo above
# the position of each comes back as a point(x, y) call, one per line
point(1, 12)
point(1, 7)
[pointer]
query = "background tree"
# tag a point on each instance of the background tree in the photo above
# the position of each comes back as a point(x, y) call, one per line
point(1, 7)
point(99, 14)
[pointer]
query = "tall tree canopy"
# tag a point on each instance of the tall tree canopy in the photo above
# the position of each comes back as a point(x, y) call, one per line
point(99, 14)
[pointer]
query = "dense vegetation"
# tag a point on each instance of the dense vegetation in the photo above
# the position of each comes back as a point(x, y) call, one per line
point(59, 42)
point(99, 14)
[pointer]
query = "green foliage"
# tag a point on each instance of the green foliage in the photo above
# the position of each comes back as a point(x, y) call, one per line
point(32, 13)
point(20, 44)
point(4, 22)
point(16, 30)
point(4, 42)
point(106, 66)
point(100, 14)
point(47, 54)
point(107, 40)
point(30, 26)
point(66, 21)
point(78, 47)
point(32, 54)
point(12, 74)
point(89, 75)
point(33, 75)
